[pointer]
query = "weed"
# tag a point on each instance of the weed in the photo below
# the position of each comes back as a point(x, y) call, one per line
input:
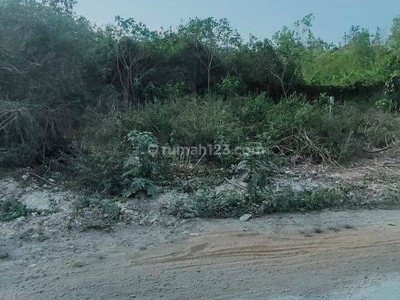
point(78, 264)
point(205, 204)
point(96, 214)
point(306, 233)
point(33, 235)
point(333, 228)
point(318, 230)
point(290, 200)
point(12, 209)
point(4, 255)
point(348, 226)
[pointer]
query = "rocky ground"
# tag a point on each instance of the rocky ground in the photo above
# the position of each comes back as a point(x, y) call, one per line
point(56, 252)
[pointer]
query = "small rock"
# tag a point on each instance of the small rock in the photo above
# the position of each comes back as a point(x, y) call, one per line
point(20, 219)
point(52, 180)
point(246, 217)
point(128, 212)
point(25, 177)
point(45, 186)
point(195, 234)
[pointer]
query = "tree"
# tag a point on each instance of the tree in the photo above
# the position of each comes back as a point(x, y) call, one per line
point(394, 39)
point(288, 48)
point(130, 40)
point(210, 38)
point(65, 5)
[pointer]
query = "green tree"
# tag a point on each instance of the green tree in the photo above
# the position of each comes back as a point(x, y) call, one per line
point(64, 5)
point(210, 38)
point(131, 49)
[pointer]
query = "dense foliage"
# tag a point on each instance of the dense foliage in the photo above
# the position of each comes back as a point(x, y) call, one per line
point(93, 99)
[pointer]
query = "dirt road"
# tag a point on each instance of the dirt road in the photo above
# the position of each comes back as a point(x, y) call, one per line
point(303, 256)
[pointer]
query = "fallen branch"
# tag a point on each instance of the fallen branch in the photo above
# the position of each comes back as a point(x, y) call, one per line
point(41, 178)
point(235, 184)
point(378, 150)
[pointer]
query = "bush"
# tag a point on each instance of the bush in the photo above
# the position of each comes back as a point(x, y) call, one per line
point(30, 132)
point(232, 204)
point(188, 122)
point(380, 129)
point(96, 214)
point(140, 166)
point(206, 204)
point(12, 209)
point(231, 86)
point(97, 162)
point(113, 162)
point(290, 200)
point(297, 128)
point(47, 80)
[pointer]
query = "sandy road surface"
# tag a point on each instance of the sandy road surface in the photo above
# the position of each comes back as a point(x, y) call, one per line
point(225, 260)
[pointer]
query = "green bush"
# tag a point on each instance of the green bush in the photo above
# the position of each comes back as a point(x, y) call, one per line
point(96, 213)
point(380, 129)
point(232, 204)
point(298, 128)
point(45, 82)
point(188, 122)
point(140, 166)
point(12, 209)
point(205, 204)
point(97, 162)
point(290, 200)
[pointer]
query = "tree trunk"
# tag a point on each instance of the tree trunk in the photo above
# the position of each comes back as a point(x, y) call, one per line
point(209, 79)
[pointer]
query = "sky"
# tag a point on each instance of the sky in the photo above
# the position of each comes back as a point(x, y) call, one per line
point(261, 18)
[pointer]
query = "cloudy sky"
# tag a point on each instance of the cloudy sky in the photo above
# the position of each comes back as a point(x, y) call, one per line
point(260, 17)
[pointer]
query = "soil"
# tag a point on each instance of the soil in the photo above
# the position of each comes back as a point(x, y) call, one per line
point(324, 255)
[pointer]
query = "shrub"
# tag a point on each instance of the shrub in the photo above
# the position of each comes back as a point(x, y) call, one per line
point(112, 162)
point(188, 122)
point(231, 86)
point(205, 204)
point(380, 129)
point(12, 209)
point(140, 166)
point(97, 163)
point(44, 82)
point(297, 128)
point(290, 200)
point(232, 204)
point(392, 92)
point(95, 213)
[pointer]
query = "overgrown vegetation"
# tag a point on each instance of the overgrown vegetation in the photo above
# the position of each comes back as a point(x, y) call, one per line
point(232, 204)
point(122, 108)
point(93, 213)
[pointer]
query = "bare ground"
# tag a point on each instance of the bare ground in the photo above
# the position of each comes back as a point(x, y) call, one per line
point(325, 255)
point(267, 258)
